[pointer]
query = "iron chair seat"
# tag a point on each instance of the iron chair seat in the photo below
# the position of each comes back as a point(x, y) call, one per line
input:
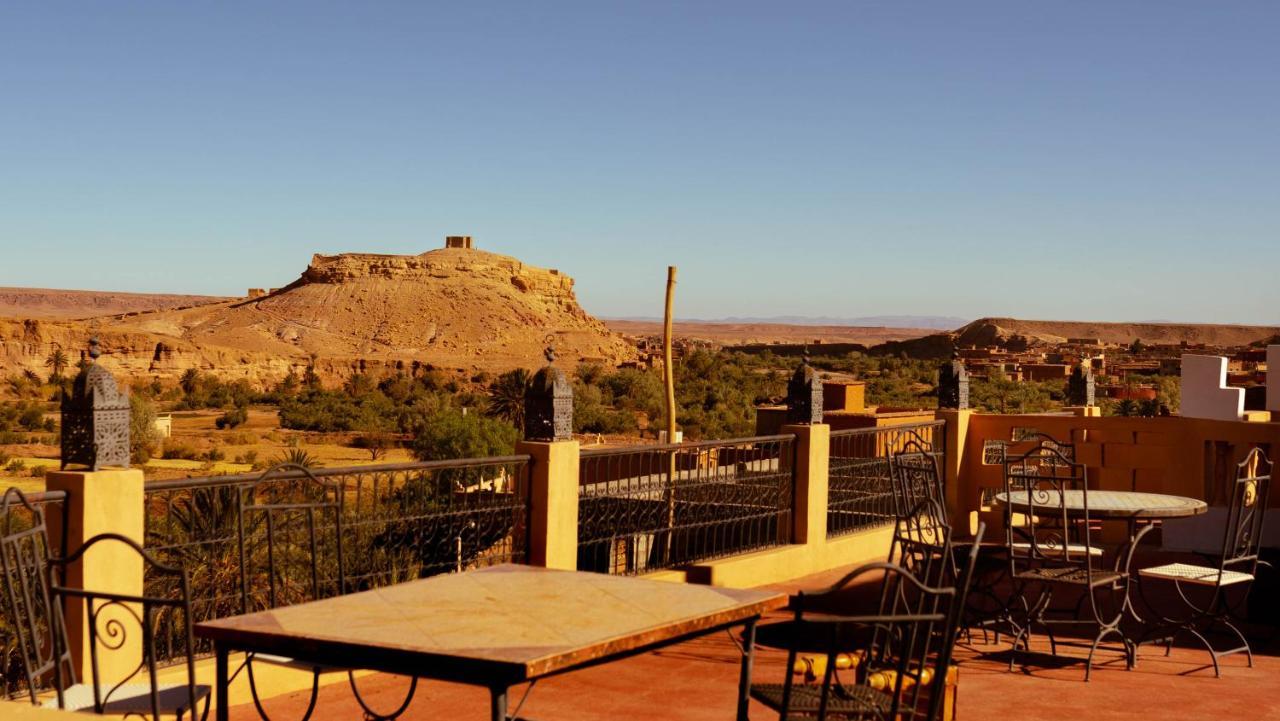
point(1191, 573)
point(132, 699)
point(849, 701)
point(1074, 576)
point(1073, 549)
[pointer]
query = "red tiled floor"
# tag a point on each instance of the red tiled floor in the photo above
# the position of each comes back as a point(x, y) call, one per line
point(697, 681)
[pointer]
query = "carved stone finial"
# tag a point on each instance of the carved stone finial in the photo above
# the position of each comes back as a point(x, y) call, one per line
point(1081, 388)
point(953, 383)
point(550, 354)
point(804, 395)
point(95, 418)
point(548, 404)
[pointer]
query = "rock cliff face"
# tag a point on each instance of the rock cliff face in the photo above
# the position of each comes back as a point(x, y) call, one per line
point(452, 308)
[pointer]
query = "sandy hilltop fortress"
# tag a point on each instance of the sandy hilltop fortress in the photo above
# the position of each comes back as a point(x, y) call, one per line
point(455, 308)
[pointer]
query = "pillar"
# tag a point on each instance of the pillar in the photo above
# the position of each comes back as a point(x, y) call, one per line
point(957, 434)
point(108, 501)
point(553, 503)
point(809, 495)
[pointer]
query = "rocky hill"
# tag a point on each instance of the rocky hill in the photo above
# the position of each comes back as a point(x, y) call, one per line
point(1032, 333)
point(49, 303)
point(987, 330)
point(455, 308)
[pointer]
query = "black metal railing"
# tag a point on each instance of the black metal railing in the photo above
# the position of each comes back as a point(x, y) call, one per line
point(291, 534)
point(53, 504)
point(643, 508)
point(860, 491)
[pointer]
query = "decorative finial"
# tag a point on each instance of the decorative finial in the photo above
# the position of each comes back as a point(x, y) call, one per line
point(805, 355)
point(550, 354)
point(94, 350)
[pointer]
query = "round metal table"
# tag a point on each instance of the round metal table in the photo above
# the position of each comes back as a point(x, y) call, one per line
point(1120, 505)
point(1127, 506)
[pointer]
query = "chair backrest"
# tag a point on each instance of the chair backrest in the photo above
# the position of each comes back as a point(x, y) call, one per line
point(290, 539)
point(917, 479)
point(110, 616)
point(1047, 509)
point(34, 618)
point(1247, 513)
point(1066, 448)
point(909, 648)
point(922, 545)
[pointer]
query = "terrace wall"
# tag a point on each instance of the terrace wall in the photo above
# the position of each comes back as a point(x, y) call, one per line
point(1180, 456)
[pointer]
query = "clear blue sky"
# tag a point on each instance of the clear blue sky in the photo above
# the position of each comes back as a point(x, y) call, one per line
point(1104, 160)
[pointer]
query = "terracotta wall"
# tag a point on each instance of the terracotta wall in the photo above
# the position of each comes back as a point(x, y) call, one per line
point(1180, 456)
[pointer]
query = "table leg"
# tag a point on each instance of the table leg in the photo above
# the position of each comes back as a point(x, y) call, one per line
point(1132, 525)
point(498, 703)
point(221, 682)
point(744, 678)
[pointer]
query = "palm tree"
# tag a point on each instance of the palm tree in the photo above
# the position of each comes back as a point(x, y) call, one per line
point(297, 457)
point(57, 363)
point(506, 396)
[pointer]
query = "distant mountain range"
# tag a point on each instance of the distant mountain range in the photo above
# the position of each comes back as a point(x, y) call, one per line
point(934, 322)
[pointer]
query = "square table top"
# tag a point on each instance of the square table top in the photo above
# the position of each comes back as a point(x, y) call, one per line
point(502, 623)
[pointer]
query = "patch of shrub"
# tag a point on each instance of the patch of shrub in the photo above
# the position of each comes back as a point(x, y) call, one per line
point(233, 418)
point(213, 455)
point(179, 450)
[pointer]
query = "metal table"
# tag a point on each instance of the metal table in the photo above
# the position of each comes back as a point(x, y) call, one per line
point(493, 627)
point(1127, 506)
point(1120, 505)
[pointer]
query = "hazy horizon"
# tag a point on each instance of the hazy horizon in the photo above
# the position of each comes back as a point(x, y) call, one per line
point(1087, 161)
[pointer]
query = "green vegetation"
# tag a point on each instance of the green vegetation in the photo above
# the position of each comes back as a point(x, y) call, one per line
point(999, 394)
point(57, 364)
point(506, 396)
point(143, 437)
point(24, 415)
point(452, 434)
point(233, 418)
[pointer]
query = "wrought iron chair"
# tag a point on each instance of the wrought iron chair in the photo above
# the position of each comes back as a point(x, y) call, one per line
point(290, 534)
point(1236, 568)
point(917, 479)
point(905, 647)
point(1051, 548)
point(917, 484)
point(34, 598)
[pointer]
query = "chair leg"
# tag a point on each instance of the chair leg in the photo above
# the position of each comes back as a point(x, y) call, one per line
point(1097, 641)
point(1213, 655)
point(1244, 642)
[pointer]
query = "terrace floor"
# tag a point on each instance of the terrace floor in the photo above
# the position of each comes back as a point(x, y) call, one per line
point(697, 681)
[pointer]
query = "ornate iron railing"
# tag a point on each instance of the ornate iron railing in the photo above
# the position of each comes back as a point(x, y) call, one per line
point(860, 491)
point(291, 534)
point(642, 508)
point(53, 505)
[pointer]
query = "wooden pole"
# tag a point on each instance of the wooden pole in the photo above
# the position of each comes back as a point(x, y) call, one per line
point(668, 370)
point(669, 380)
